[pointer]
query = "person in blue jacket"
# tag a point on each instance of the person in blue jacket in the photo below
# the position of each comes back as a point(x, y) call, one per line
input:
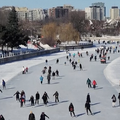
point(3, 84)
point(41, 79)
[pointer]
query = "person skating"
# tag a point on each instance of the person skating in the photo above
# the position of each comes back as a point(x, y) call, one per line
point(94, 84)
point(17, 95)
point(0, 90)
point(21, 101)
point(3, 84)
point(23, 95)
point(80, 66)
point(57, 73)
point(41, 79)
point(87, 106)
point(71, 109)
point(32, 100)
point(57, 61)
point(43, 115)
point(88, 98)
point(74, 66)
point(26, 69)
point(1, 117)
point(23, 70)
point(46, 61)
point(119, 98)
point(113, 100)
point(56, 94)
point(37, 97)
point(31, 116)
point(53, 75)
point(49, 70)
point(48, 78)
point(88, 82)
point(45, 98)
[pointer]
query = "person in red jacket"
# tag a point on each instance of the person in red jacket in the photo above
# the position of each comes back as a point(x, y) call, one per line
point(94, 84)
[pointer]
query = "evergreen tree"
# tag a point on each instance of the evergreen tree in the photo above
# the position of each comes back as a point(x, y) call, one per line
point(13, 35)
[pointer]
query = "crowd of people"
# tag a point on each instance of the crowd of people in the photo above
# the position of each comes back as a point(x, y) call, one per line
point(21, 96)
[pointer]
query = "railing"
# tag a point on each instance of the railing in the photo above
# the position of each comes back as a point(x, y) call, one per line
point(26, 55)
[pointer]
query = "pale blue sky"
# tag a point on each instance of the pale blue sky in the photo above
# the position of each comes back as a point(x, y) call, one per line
point(79, 4)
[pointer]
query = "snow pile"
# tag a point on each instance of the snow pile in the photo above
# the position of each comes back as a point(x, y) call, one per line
point(45, 46)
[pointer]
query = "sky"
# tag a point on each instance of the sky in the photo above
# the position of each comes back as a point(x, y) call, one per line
point(78, 4)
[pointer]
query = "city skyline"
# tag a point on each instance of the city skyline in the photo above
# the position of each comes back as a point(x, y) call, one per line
point(45, 4)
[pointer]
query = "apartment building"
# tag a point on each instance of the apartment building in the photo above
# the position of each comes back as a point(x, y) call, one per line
point(114, 12)
point(96, 12)
point(22, 13)
point(58, 12)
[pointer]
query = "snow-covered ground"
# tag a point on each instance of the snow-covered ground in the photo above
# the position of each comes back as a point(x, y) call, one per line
point(71, 85)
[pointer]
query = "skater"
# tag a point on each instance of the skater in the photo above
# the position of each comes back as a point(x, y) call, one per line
point(45, 98)
point(108, 57)
point(53, 75)
point(57, 73)
point(88, 98)
point(95, 57)
point(3, 84)
point(49, 70)
point(88, 82)
point(31, 116)
point(71, 109)
point(46, 61)
point(57, 61)
point(94, 84)
point(1, 117)
point(74, 66)
point(43, 115)
point(23, 96)
point(56, 94)
point(48, 78)
point(119, 99)
point(17, 95)
point(80, 66)
point(26, 69)
point(41, 79)
point(32, 100)
point(23, 70)
point(0, 90)
point(21, 101)
point(67, 57)
point(37, 97)
point(87, 106)
point(113, 100)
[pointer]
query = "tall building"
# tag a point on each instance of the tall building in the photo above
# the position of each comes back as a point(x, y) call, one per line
point(58, 12)
point(35, 14)
point(96, 12)
point(69, 7)
point(22, 12)
point(114, 12)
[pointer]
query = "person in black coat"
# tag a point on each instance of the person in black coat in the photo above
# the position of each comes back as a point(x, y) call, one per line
point(0, 90)
point(80, 66)
point(88, 98)
point(45, 98)
point(57, 73)
point(37, 97)
point(56, 94)
point(32, 100)
point(17, 95)
point(42, 116)
point(119, 98)
point(48, 78)
point(1, 117)
point(71, 109)
point(57, 61)
point(87, 106)
point(31, 116)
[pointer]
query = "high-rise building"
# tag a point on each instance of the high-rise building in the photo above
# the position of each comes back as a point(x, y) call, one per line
point(96, 12)
point(114, 12)
point(22, 12)
point(58, 12)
